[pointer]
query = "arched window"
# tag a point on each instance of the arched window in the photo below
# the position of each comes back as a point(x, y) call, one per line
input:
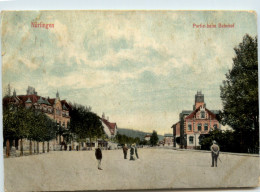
point(215, 126)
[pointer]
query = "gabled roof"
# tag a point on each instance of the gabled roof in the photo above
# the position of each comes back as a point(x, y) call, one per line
point(190, 116)
point(111, 126)
point(65, 103)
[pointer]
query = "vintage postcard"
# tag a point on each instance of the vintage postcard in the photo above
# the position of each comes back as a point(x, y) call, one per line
point(129, 100)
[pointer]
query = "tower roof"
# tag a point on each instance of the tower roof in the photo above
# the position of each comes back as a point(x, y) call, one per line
point(28, 100)
point(41, 101)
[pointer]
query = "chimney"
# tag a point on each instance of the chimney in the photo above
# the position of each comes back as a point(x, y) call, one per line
point(103, 116)
point(107, 118)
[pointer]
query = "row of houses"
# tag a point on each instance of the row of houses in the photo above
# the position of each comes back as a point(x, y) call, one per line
point(56, 109)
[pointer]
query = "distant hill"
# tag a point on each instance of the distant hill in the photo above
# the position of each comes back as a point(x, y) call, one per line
point(135, 133)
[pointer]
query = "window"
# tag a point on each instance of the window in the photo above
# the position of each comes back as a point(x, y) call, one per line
point(205, 126)
point(199, 127)
point(215, 126)
point(191, 140)
point(57, 112)
point(189, 127)
point(202, 114)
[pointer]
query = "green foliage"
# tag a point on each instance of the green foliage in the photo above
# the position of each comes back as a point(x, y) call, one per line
point(239, 94)
point(19, 123)
point(225, 139)
point(154, 138)
point(144, 142)
point(123, 139)
point(85, 124)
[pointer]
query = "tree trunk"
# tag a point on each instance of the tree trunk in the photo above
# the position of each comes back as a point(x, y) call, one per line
point(37, 146)
point(48, 147)
point(30, 147)
point(21, 147)
point(7, 148)
point(43, 149)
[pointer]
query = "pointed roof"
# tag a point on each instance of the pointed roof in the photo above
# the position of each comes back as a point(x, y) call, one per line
point(211, 115)
point(111, 126)
point(40, 101)
point(46, 102)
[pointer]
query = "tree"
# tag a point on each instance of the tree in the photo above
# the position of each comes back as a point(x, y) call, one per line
point(154, 138)
point(85, 124)
point(8, 127)
point(225, 139)
point(239, 95)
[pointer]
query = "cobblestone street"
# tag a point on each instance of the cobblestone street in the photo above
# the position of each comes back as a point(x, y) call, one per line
point(156, 169)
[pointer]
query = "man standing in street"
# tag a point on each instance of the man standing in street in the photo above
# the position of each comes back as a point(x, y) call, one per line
point(98, 154)
point(214, 153)
point(125, 149)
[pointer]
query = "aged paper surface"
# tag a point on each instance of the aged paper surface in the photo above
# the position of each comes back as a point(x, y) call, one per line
point(136, 73)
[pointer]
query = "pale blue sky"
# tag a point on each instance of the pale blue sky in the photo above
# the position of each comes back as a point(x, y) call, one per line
point(140, 68)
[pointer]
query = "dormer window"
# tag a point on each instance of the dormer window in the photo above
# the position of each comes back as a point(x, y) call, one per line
point(202, 114)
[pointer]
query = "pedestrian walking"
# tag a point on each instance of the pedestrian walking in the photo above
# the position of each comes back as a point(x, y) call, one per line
point(125, 149)
point(136, 154)
point(214, 153)
point(132, 151)
point(98, 154)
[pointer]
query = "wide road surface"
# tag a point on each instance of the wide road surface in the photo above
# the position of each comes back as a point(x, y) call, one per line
point(156, 169)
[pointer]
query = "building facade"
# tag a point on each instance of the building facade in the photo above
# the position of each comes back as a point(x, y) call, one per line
point(193, 124)
point(168, 140)
point(54, 108)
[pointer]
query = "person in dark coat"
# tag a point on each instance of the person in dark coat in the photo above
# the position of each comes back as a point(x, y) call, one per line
point(132, 151)
point(98, 154)
point(125, 149)
point(214, 153)
point(136, 154)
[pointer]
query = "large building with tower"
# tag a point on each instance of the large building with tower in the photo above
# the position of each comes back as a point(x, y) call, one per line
point(55, 108)
point(194, 123)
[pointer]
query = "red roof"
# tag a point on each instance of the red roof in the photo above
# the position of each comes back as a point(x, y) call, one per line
point(24, 98)
point(34, 98)
point(190, 116)
point(111, 126)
